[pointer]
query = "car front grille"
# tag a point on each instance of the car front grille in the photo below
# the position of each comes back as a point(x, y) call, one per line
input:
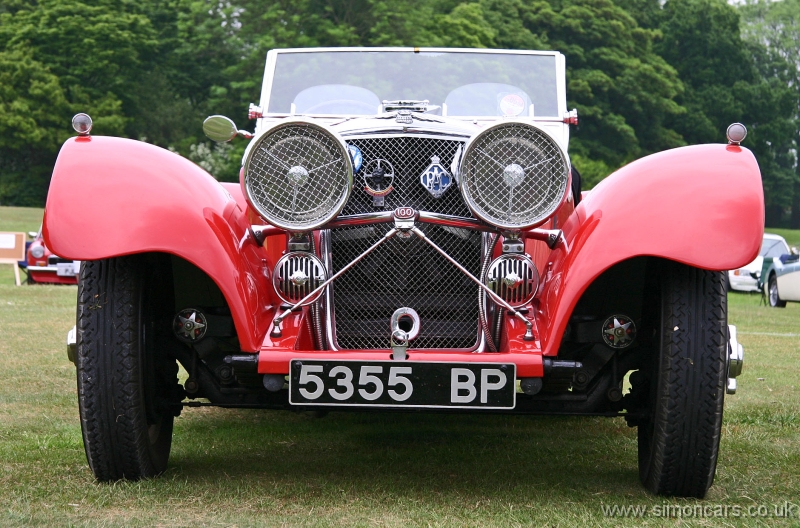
point(409, 156)
point(406, 272)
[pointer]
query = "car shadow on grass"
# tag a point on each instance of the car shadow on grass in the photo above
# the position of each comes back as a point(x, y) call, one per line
point(408, 453)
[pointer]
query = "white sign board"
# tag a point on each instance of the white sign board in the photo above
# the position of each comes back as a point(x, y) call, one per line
point(7, 241)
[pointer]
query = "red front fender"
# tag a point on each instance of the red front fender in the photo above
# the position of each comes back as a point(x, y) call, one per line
point(111, 197)
point(702, 206)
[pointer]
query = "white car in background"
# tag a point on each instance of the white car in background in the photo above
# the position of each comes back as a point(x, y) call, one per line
point(741, 279)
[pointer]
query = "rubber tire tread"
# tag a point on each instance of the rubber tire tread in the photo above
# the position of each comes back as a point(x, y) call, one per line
point(678, 450)
point(110, 374)
point(779, 303)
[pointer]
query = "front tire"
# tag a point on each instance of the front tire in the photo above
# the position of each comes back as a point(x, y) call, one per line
point(679, 443)
point(772, 293)
point(127, 386)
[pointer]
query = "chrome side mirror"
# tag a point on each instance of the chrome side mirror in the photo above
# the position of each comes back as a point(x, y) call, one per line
point(222, 129)
point(794, 250)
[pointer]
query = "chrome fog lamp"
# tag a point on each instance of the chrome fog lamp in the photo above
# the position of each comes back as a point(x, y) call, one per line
point(296, 275)
point(298, 175)
point(514, 278)
point(37, 251)
point(513, 175)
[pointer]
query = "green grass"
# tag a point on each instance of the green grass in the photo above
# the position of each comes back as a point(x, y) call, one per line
point(262, 468)
point(20, 219)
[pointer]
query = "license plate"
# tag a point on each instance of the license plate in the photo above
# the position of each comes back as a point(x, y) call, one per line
point(402, 384)
point(65, 269)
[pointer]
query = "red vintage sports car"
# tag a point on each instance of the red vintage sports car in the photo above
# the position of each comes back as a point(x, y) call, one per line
point(408, 235)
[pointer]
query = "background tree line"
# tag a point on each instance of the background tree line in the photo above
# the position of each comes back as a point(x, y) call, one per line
point(644, 76)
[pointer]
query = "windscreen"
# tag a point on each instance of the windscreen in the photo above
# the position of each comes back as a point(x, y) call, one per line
point(458, 83)
point(773, 248)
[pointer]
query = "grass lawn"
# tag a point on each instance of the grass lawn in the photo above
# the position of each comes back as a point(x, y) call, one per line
point(267, 468)
point(20, 219)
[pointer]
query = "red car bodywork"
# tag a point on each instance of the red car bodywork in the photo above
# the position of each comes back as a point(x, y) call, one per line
point(700, 205)
point(45, 268)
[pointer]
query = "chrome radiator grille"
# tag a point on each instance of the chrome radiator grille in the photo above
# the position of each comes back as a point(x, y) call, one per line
point(410, 156)
point(406, 272)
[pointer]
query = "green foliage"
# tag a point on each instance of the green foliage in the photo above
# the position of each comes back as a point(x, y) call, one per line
point(727, 80)
point(58, 58)
point(701, 40)
point(592, 170)
point(773, 29)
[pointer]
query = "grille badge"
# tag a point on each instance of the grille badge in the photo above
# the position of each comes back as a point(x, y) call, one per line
point(378, 180)
point(404, 117)
point(436, 179)
point(356, 156)
point(378, 177)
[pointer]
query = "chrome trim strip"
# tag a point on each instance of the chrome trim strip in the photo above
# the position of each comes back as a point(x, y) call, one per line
point(417, 50)
point(326, 252)
point(54, 269)
point(454, 221)
point(334, 120)
point(550, 236)
point(383, 217)
point(387, 217)
point(398, 132)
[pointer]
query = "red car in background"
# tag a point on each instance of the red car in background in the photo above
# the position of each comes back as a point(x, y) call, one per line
point(45, 266)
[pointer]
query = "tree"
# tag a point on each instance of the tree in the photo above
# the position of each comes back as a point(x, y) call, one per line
point(774, 27)
point(726, 80)
point(58, 58)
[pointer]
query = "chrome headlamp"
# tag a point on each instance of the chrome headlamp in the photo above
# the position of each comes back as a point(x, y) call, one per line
point(513, 175)
point(298, 175)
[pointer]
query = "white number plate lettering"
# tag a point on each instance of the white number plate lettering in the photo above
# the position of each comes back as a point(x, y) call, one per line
point(402, 384)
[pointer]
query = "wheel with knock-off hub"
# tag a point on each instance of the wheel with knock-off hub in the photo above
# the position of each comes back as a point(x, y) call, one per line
point(128, 392)
point(679, 441)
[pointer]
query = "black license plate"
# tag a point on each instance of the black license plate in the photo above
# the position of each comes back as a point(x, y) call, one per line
point(402, 384)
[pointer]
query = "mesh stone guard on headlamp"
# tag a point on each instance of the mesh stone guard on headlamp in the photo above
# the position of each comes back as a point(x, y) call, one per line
point(513, 175)
point(298, 175)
